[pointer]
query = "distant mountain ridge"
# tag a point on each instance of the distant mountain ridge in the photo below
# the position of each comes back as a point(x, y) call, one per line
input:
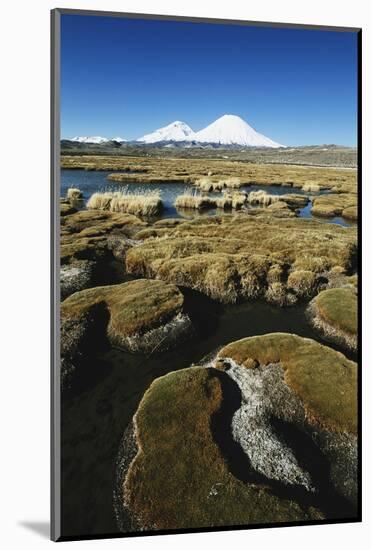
point(96, 139)
point(228, 130)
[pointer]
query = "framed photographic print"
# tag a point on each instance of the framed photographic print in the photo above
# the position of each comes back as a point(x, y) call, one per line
point(205, 210)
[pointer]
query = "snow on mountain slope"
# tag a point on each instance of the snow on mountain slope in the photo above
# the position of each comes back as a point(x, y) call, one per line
point(176, 131)
point(233, 130)
point(90, 139)
point(118, 139)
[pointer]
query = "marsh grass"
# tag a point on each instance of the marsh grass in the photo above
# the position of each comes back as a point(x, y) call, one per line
point(207, 184)
point(73, 194)
point(230, 257)
point(221, 173)
point(311, 187)
point(262, 197)
point(145, 203)
point(193, 199)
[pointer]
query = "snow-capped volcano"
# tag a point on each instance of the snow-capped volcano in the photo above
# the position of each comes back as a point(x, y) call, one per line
point(233, 130)
point(176, 131)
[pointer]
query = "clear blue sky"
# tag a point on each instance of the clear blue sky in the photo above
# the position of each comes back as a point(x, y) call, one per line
point(127, 77)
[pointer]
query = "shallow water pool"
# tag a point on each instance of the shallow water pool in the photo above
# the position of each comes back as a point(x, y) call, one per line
point(90, 182)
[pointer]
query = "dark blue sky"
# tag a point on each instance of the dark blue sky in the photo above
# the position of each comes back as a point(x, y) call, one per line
point(128, 77)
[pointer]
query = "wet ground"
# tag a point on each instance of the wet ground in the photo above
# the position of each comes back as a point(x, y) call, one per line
point(105, 395)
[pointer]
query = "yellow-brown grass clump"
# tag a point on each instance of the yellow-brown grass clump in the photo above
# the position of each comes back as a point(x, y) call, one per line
point(311, 187)
point(229, 257)
point(193, 200)
point(262, 197)
point(146, 203)
point(74, 194)
point(207, 184)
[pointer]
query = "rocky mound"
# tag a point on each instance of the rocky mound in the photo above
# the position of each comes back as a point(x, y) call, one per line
point(334, 314)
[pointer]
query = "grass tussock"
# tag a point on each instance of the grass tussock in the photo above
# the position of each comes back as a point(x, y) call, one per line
point(173, 426)
point(333, 313)
point(192, 199)
point(304, 283)
point(85, 234)
point(147, 203)
point(324, 379)
point(335, 204)
point(338, 307)
point(73, 194)
point(311, 187)
point(208, 184)
point(262, 197)
point(133, 307)
point(238, 257)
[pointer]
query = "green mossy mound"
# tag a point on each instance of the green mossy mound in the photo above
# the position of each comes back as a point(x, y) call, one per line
point(229, 257)
point(324, 379)
point(334, 313)
point(179, 478)
point(137, 312)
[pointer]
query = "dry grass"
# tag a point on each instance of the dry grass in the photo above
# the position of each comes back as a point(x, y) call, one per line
point(179, 478)
point(324, 379)
point(74, 194)
point(84, 234)
point(262, 197)
point(208, 184)
point(335, 205)
point(304, 283)
point(311, 187)
point(191, 199)
point(230, 257)
point(232, 173)
point(147, 203)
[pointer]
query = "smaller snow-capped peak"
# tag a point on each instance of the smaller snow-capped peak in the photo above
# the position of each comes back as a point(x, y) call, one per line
point(176, 131)
point(90, 139)
point(233, 130)
point(118, 139)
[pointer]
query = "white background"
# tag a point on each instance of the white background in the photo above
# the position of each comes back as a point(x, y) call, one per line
point(24, 253)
